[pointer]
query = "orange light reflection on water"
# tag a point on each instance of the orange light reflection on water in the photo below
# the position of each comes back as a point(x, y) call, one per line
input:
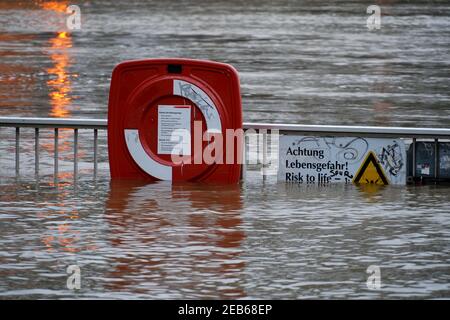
point(60, 83)
point(58, 6)
point(60, 237)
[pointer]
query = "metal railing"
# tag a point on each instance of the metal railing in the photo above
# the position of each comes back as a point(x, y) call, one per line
point(55, 124)
point(261, 129)
point(436, 134)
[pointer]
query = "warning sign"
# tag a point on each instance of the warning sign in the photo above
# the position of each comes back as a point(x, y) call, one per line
point(371, 171)
point(322, 160)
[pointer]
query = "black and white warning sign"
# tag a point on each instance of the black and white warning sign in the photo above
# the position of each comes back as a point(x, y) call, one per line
point(308, 159)
point(174, 129)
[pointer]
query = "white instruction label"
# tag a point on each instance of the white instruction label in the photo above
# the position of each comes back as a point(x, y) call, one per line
point(174, 130)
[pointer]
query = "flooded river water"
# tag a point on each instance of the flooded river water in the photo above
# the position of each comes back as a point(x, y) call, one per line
point(309, 62)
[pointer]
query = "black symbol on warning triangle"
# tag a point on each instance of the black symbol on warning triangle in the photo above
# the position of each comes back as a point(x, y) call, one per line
point(371, 171)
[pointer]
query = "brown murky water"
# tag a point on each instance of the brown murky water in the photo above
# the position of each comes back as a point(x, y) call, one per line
point(308, 62)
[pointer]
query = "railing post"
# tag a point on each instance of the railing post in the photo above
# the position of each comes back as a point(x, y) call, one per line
point(95, 153)
point(75, 154)
point(56, 160)
point(17, 151)
point(414, 161)
point(245, 156)
point(36, 152)
point(436, 158)
point(257, 146)
point(264, 157)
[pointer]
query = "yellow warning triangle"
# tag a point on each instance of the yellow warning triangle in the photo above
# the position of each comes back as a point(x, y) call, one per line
point(370, 171)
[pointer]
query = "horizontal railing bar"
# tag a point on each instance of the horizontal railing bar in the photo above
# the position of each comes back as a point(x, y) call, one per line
point(351, 130)
point(405, 132)
point(54, 123)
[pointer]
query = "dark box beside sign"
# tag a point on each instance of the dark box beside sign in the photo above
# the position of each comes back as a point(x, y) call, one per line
point(425, 160)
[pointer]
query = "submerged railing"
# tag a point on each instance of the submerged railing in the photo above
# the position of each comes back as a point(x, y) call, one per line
point(261, 129)
point(56, 124)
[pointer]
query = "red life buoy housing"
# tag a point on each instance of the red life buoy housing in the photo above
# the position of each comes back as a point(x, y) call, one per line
point(151, 101)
